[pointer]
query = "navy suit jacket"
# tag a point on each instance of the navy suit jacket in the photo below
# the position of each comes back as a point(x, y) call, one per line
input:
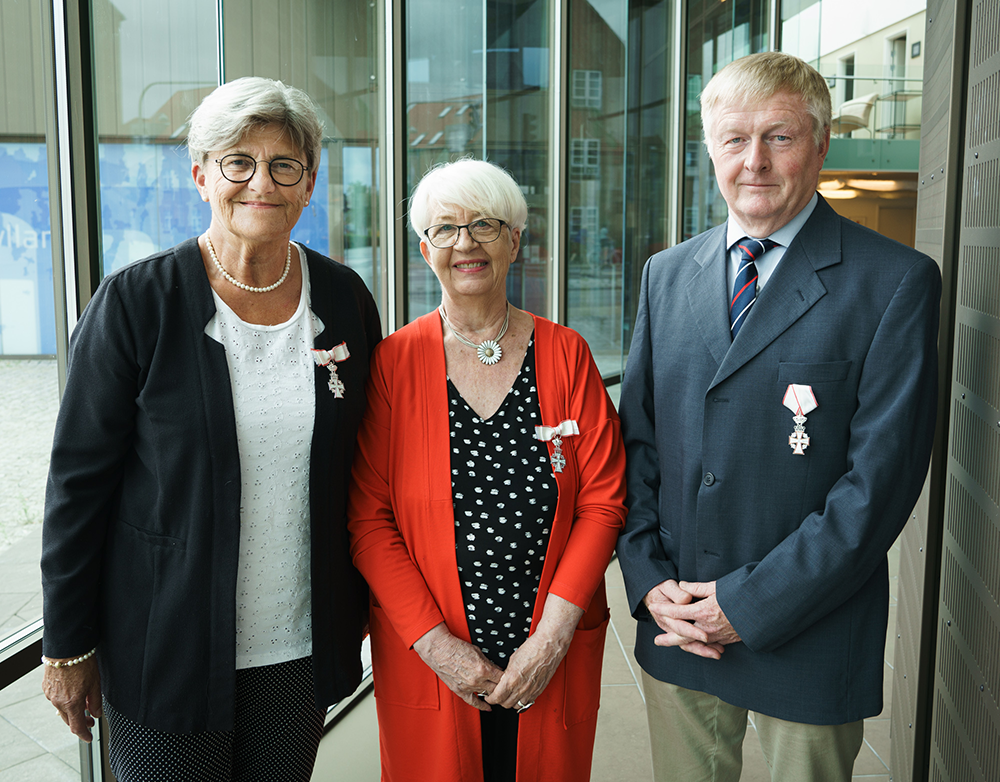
point(796, 543)
point(140, 542)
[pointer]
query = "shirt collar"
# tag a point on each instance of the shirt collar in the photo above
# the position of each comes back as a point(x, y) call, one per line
point(783, 236)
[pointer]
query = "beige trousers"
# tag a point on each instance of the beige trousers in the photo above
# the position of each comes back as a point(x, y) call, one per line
point(696, 737)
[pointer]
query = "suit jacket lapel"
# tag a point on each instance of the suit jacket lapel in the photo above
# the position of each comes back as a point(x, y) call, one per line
point(707, 297)
point(792, 290)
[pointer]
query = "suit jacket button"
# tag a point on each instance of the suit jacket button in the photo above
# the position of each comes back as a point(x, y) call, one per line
point(709, 479)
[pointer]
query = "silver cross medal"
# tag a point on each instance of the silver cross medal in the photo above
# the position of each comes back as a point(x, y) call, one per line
point(798, 439)
point(336, 385)
point(800, 400)
point(558, 460)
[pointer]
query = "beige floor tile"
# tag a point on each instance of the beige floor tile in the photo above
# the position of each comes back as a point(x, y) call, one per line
point(350, 751)
point(616, 668)
point(877, 740)
point(868, 763)
point(621, 749)
point(46, 768)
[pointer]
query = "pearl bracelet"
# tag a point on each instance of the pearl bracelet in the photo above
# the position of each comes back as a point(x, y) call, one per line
point(68, 663)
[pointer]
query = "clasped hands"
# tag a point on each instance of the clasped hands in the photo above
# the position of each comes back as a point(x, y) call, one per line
point(690, 617)
point(467, 672)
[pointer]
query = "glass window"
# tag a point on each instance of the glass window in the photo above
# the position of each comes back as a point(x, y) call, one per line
point(649, 200)
point(481, 90)
point(29, 384)
point(718, 33)
point(148, 200)
point(328, 50)
point(587, 89)
point(154, 62)
point(596, 122)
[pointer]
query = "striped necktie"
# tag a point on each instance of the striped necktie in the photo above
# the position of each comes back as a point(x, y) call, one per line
point(745, 286)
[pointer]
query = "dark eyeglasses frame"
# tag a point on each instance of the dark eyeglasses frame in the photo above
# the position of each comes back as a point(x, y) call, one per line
point(269, 170)
point(458, 232)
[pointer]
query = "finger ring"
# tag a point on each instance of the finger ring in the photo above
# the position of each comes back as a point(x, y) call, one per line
point(482, 694)
point(522, 706)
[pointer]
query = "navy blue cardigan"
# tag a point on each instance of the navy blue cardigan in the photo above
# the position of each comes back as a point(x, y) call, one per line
point(142, 520)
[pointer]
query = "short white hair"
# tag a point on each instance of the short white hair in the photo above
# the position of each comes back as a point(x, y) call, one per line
point(476, 185)
point(238, 108)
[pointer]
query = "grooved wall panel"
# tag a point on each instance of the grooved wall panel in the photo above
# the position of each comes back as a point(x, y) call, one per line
point(966, 723)
point(915, 629)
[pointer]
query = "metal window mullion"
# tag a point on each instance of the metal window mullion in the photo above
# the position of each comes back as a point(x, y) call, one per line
point(392, 171)
point(559, 90)
point(677, 129)
point(774, 25)
point(75, 178)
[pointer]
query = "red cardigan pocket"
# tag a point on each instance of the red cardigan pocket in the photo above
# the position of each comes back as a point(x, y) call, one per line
point(401, 677)
point(583, 674)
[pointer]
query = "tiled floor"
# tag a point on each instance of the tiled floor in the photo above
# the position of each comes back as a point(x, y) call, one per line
point(35, 745)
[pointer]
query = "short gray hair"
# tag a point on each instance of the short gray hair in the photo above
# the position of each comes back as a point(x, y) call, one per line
point(757, 77)
point(477, 185)
point(238, 108)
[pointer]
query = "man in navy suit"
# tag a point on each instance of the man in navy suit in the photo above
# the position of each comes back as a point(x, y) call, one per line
point(778, 413)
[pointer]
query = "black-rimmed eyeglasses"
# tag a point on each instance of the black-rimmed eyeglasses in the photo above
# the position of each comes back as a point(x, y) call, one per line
point(285, 171)
point(484, 230)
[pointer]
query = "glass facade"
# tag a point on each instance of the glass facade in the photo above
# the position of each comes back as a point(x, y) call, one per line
point(29, 386)
point(717, 34)
point(481, 89)
point(148, 201)
point(597, 119)
point(595, 196)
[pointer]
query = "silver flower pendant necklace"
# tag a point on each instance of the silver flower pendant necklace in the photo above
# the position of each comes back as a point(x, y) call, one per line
point(489, 350)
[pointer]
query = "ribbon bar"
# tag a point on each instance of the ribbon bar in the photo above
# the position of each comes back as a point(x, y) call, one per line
point(565, 429)
point(800, 399)
point(325, 357)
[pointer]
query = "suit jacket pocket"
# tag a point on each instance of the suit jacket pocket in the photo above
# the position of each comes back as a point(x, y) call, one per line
point(400, 676)
point(807, 374)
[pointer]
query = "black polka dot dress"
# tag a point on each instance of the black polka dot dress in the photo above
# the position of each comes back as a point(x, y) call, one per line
point(505, 501)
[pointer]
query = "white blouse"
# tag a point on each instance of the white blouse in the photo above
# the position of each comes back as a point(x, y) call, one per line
point(272, 374)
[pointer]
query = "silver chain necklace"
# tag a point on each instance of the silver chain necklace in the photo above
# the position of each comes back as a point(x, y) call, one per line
point(489, 350)
point(250, 288)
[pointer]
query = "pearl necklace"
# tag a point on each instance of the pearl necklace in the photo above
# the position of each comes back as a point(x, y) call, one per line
point(250, 288)
point(488, 350)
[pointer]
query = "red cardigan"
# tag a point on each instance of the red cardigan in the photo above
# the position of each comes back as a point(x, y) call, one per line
point(402, 529)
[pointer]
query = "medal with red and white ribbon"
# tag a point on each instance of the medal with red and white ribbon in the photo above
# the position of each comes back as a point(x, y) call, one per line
point(567, 428)
point(329, 359)
point(800, 400)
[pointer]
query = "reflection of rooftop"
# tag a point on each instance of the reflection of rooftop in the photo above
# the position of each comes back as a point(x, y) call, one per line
point(451, 124)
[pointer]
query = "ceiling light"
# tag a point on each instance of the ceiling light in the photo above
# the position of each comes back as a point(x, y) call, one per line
point(831, 184)
point(840, 194)
point(880, 185)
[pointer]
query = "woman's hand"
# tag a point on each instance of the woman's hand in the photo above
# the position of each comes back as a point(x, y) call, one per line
point(532, 666)
point(459, 664)
point(75, 690)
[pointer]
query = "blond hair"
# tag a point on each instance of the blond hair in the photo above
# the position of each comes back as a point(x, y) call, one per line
point(757, 77)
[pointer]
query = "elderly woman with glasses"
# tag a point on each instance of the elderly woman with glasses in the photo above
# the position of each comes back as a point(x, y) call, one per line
point(195, 559)
point(486, 500)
